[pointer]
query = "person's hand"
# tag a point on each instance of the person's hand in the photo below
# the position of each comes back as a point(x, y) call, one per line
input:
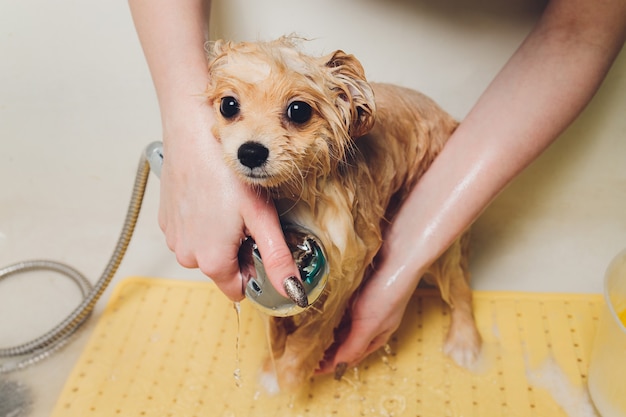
point(374, 320)
point(376, 312)
point(206, 211)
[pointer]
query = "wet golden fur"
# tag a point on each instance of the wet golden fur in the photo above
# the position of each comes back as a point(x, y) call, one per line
point(342, 174)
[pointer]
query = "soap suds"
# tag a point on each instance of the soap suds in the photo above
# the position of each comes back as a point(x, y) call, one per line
point(574, 400)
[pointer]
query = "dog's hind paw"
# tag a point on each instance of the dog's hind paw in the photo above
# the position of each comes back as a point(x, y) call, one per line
point(463, 347)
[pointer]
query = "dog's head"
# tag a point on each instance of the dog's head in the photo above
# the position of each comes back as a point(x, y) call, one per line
point(283, 116)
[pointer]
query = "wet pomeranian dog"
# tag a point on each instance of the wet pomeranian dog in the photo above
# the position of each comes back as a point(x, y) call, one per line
point(338, 155)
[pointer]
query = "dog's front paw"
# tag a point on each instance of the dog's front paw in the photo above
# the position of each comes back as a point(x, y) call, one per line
point(463, 345)
point(284, 374)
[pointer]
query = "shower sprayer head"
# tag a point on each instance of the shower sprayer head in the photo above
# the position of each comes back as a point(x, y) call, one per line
point(307, 252)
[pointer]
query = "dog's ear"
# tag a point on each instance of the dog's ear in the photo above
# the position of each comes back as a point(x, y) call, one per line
point(356, 98)
point(216, 48)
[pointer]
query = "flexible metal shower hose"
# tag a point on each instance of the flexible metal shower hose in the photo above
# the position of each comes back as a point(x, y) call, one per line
point(43, 346)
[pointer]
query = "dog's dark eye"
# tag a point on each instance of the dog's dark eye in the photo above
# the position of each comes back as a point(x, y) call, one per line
point(229, 107)
point(299, 112)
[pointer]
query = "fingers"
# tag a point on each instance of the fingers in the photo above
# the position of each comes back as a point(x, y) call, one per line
point(375, 315)
point(264, 227)
point(213, 252)
point(226, 275)
point(361, 341)
point(222, 270)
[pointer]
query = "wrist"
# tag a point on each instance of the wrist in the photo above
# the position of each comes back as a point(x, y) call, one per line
point(182, 113)
point(188, 124)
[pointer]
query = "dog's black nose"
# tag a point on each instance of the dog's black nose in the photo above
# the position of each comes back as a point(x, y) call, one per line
point(252, 154)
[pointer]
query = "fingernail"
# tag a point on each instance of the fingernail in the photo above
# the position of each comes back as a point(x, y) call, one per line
point(340, 369)
point(295, 291)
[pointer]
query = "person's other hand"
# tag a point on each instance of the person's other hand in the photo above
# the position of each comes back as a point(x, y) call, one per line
point(375, 314)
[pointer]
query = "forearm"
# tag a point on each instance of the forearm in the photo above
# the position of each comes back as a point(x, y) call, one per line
point(539, 92)
point(172, 34)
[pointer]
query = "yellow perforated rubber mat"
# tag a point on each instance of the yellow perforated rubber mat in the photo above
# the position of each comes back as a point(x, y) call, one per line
point(171, 348)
